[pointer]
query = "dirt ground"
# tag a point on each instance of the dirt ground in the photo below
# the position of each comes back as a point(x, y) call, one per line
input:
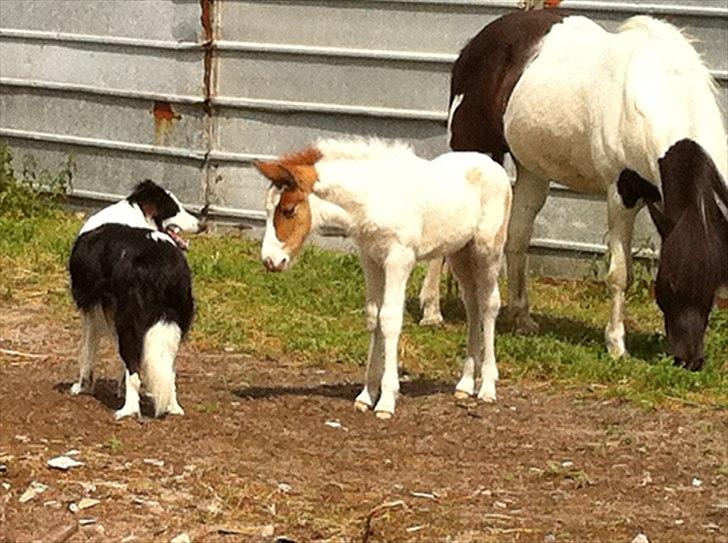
point(272, 451)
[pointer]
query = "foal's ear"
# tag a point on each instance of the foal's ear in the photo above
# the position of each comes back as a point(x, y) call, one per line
point(662, 222)
point(277, 173)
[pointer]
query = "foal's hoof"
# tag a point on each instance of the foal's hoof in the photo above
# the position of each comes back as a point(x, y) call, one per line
point(462, 395)
point(78, 388)
point(383, 415)
point(361, 406)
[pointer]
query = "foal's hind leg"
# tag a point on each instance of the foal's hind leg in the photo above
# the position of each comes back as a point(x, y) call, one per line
point(489, 303)
point(430, 294)
point(621, 226)
point(529, 196)
point(93, 327)
point(464, 268)
point(374, 276)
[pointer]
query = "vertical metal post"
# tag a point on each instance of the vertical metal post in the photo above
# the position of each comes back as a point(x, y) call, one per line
point(209, 25)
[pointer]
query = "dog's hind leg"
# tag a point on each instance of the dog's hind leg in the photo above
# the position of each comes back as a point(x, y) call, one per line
point(92, 322)
point(161, 343)
point(130, 349)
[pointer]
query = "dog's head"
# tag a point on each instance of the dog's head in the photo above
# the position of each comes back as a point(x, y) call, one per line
point(164, 210)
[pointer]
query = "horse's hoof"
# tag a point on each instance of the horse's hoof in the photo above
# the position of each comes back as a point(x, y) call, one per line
point(383, 415)
point(518, 322)
point(462, 395)
point(361, 406)
point(616, 350)
point(77, 388)
point(432, 320)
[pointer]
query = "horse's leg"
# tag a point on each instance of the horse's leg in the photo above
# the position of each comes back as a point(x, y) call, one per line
point(464, 268)
point(430, 294)
point(374, 276)
point(621, 225)
point(397, 268)
point(489, 264)
point(529, 196)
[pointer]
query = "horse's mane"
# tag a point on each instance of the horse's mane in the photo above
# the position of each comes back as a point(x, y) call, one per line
point(673, 45)
point(361, 148)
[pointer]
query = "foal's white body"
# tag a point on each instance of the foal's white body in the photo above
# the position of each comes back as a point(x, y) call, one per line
point(399, 209)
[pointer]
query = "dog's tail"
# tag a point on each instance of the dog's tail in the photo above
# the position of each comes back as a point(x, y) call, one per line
point(160, 350)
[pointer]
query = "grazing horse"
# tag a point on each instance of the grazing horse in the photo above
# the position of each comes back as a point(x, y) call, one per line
point(601, 112)
point(399, 209)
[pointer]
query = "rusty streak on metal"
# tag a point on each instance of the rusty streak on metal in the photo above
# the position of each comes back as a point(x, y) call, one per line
point(206, 19)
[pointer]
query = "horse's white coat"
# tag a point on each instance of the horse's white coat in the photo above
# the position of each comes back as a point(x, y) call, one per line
point(399, 209)
point(591, 104)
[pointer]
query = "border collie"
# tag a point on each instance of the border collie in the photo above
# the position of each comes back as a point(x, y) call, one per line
point(130, 278)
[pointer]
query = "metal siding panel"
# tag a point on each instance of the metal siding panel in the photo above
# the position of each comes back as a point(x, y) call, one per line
point(100, 117)
point(324, 80)
point(165, 72)
point(151, 19)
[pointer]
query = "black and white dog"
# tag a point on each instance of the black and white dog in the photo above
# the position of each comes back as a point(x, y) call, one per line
point(130, 278)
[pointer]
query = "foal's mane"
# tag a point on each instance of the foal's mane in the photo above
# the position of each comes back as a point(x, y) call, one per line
point(362, 149)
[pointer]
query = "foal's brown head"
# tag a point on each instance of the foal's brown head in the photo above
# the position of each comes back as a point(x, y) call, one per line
point(289, 220)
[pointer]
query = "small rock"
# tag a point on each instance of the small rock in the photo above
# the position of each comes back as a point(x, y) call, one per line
point(333, 424)
point(646, 478)
point(549, 538)
point(52, 504)
point(267, 531)
point(86, 503)
point(22, 438)
point(34, 489)
point(711, 527)
point(679, 522)
point(154, 462)
point(500, 505)
point(64, 463)
point(3, 468)
point(567, 464)
point(87, 521)
point(72, 452)
point(181, 538)
point(697, 482)
point(640, 538)
point(284, 488)
point(7, 486)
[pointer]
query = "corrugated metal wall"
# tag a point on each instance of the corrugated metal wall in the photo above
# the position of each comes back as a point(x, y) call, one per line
point(188, 92)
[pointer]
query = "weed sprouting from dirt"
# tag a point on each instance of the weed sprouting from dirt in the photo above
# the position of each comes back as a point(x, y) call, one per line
point(33, 191)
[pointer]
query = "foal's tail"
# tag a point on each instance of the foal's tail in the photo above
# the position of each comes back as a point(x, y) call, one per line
point(161, 343)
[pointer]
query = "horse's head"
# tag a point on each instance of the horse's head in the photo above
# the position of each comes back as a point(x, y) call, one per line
point(289, 218)
point(693, 226)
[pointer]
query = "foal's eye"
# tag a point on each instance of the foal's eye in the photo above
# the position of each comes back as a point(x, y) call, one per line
point(288, 212)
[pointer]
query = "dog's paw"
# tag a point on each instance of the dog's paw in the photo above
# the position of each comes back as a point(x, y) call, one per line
point(123, 413)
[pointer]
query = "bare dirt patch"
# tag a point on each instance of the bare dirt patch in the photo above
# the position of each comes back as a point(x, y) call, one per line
point(269, 450)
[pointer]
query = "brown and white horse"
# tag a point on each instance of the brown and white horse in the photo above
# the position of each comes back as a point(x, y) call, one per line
point(601, 112)
point(399, 209)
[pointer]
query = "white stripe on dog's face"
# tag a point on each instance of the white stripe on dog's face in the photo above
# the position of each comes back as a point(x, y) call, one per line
point(185, 220)
point(273, 252)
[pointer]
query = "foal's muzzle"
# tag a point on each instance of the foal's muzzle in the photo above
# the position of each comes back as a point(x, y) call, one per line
point(273, 267)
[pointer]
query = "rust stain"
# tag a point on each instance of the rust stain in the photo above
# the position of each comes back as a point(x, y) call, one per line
point(206, 20)
point(551, 3)
point(164, 118)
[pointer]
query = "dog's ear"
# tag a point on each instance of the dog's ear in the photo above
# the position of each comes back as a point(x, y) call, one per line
point(278, 174)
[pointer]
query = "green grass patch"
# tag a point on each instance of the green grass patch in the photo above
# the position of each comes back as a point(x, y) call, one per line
point(313, 314)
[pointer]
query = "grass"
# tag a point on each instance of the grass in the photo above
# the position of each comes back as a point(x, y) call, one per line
point(312, 314)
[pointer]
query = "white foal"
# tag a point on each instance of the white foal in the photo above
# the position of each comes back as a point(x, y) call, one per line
point(399, 209)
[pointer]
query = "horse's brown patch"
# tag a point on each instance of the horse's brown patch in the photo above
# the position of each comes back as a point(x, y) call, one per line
point(486, 72)
point(295, 174)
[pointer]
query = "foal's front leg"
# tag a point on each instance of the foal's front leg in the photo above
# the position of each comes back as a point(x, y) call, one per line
point(397, 268)
point(374, 276)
